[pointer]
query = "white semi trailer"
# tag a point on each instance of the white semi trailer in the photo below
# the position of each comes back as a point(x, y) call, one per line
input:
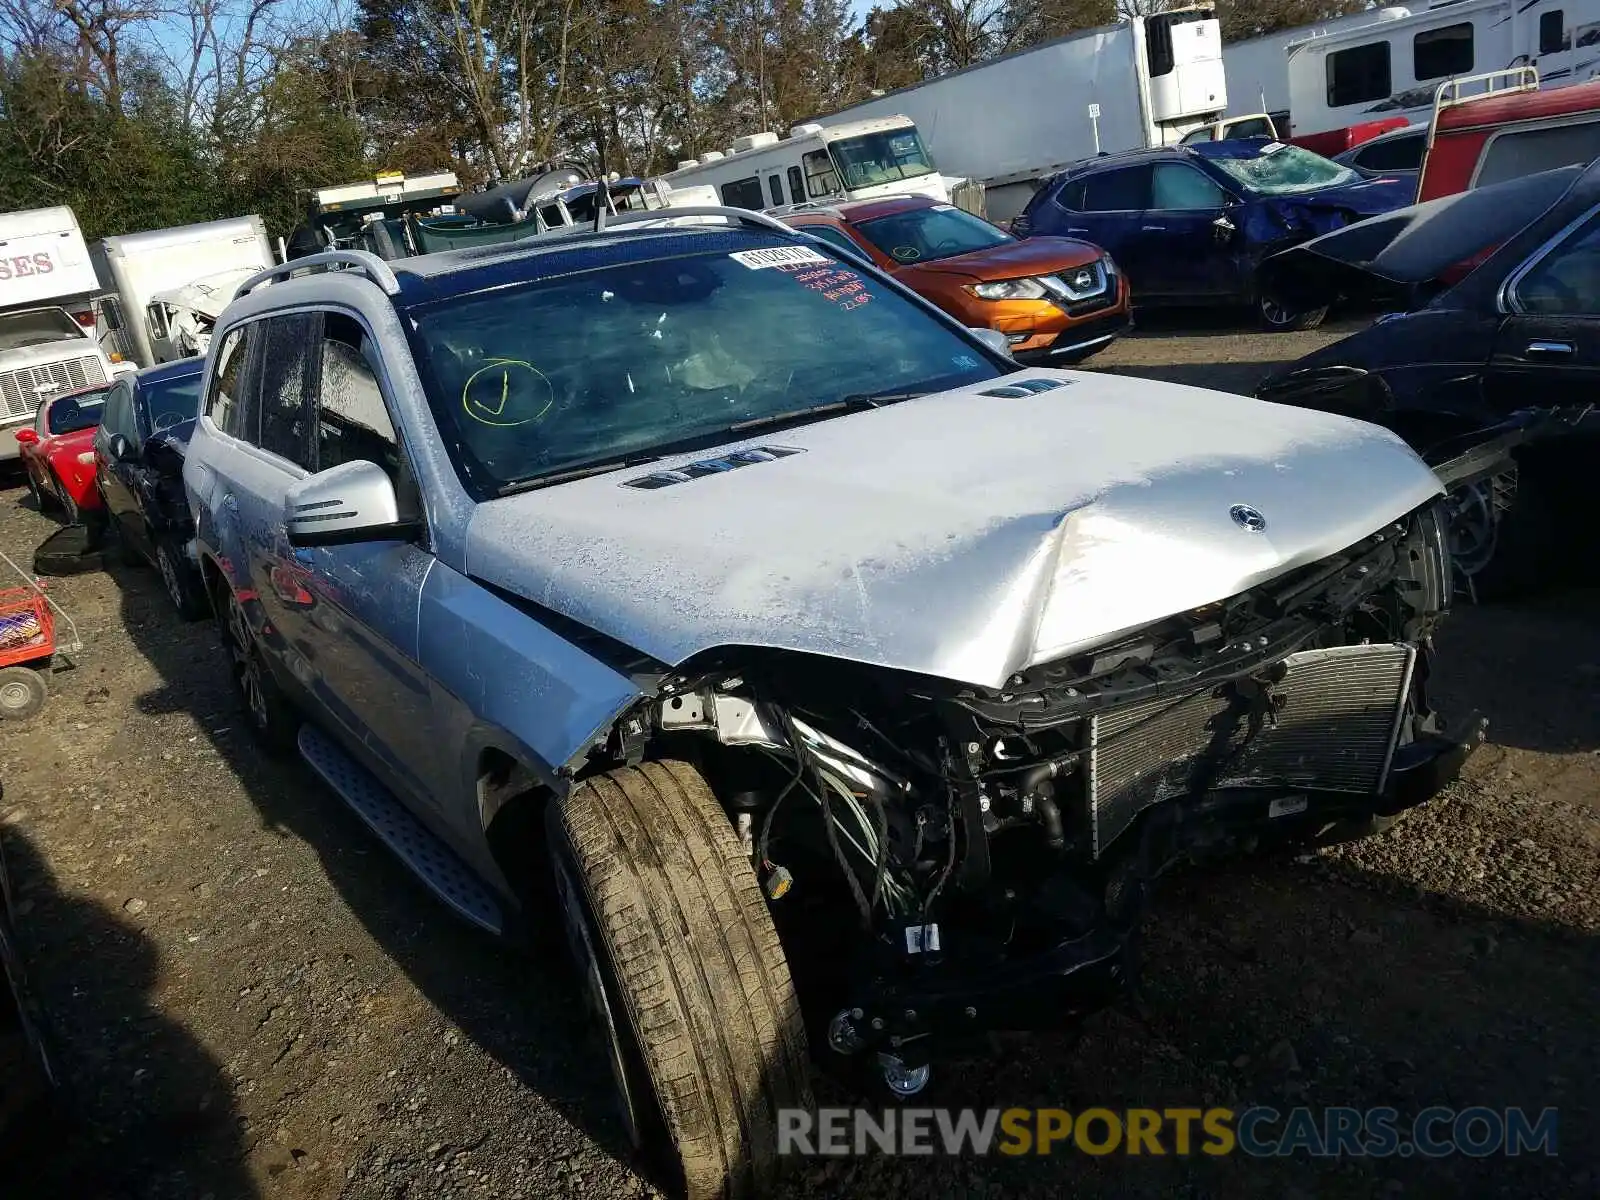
point(1014, 120)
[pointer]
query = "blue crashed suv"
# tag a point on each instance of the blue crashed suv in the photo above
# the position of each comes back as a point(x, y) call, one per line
point(702, 593)
point(1191, 224)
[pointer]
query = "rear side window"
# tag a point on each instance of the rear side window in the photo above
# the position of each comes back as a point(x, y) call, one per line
point(1436, 53)
point(743, 193)
point(1358, 75)
point(1070, 196)
point(1553, 37)
point(226, 402)
point(1127, 190)
point(352, 423)
point(1529, 151)
point(286, 408)
point(1396, 154)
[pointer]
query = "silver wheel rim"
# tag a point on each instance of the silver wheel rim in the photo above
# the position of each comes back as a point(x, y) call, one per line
point(245, 667)
point(169, 576)
point(1275, 313)
point(1474, 532)
point(599, 1004)
point(14, 695)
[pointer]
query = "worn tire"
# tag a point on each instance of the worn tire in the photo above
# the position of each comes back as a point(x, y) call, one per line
point(23, 693)
point(693, 960)
point(272, 716)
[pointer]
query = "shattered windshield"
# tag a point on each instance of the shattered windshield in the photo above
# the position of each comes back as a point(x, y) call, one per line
point(654, 357)
point(1281, 170)
point(875, 158)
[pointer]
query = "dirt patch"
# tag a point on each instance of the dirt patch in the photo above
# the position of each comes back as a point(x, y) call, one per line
point(252, 999)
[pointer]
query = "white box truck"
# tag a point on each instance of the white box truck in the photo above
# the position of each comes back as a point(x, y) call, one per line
point(1014, 120)
point(47, 291)
point(163, 280)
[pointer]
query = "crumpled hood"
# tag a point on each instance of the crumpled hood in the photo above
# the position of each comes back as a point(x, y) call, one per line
point(1418, 244)
point(961, 535)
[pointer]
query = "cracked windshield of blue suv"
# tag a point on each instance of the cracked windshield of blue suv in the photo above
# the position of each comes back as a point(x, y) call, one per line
point(534, 381)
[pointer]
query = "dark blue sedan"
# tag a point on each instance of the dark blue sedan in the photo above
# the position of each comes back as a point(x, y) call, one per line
point(1191, 224)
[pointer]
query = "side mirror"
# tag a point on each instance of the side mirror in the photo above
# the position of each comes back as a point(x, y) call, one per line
point(26, 437)
point(121, 449)
point(353, 502)
point(1224, 229)
point(993, 339)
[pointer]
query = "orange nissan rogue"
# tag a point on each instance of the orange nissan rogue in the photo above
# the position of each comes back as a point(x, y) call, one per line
point(1057, 300)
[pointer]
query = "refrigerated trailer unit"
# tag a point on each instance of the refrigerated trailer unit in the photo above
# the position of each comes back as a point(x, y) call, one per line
point(1014, 120)
point(163, 280)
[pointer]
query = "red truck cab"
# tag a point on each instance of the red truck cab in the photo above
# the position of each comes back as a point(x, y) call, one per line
point(1508, 134)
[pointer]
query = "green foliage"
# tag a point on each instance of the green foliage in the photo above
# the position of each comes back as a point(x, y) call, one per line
point(100, 111)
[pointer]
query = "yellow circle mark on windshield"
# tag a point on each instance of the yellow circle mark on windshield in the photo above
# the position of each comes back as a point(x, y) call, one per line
point(504, 390)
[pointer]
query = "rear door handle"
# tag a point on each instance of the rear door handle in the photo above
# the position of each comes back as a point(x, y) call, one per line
point(1077, 231)
point(1154, 228)
point(1550, 349)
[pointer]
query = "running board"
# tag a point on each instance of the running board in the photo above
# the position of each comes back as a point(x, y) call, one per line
point(435, 863)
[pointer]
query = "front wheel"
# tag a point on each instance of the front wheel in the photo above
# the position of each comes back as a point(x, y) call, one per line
point(682, 968)
point(1279, 318)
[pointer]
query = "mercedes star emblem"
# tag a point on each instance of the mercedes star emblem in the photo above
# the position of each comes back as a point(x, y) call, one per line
point(1247, 518)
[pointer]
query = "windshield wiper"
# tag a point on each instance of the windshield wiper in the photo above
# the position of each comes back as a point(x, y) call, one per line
point(854, 402)
point(601, 467)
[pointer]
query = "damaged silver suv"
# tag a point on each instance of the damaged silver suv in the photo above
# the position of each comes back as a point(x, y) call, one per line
point(828, 678)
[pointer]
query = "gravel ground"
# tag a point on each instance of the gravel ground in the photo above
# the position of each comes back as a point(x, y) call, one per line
point(252, 999)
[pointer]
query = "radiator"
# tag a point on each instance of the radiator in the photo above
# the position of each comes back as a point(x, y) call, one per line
point(1335, 731)
point(23, 390)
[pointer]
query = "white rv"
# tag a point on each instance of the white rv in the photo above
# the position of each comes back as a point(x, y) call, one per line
point(1258, 68)
point(1393, 63)
point(47, 291)
point(151, 317)
point(1010, 122)
point(847, 160)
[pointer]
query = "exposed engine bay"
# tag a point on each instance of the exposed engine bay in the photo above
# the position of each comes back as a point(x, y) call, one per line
point(968, 859)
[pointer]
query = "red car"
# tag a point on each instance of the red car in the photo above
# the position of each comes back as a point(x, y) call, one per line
point(58, 451)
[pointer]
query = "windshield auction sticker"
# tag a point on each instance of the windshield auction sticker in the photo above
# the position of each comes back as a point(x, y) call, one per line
point(777, 256)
